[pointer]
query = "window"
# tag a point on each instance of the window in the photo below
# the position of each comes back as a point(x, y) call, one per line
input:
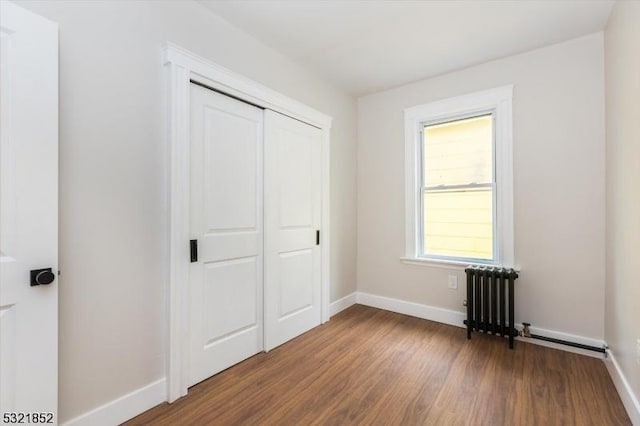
point(457, 189)
point(459, 180)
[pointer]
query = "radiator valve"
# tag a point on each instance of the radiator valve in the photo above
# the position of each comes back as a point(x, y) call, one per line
point(525, 329)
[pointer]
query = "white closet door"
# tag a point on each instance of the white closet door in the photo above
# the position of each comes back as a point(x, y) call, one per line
point(226, 212)
point(292, 217)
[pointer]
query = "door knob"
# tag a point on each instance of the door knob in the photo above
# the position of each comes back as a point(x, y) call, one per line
point(42, 277)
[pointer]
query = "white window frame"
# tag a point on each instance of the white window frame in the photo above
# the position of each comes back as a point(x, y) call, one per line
point(497, 101)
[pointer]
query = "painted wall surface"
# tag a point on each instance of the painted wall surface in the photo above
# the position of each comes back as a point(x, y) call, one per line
point(622, 71)
point(113, 180)
point(558, 121)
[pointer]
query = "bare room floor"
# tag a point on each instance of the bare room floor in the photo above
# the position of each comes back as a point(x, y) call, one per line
point(369, 366)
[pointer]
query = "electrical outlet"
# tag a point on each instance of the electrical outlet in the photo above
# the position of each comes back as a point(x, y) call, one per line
point(453, 281)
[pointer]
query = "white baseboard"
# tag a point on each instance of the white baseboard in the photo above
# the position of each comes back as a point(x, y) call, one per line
point(342, 304)
point(629, 399)
point(124, 408)
point(413, 309)
point(457, 318)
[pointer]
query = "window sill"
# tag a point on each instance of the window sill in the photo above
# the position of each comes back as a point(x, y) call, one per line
point(443, 264)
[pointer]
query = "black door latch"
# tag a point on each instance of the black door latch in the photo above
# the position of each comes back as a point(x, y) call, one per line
point(42, 277)
point(194, 250)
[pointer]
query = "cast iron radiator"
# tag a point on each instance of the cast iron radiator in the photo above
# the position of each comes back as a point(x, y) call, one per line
point(490, 301)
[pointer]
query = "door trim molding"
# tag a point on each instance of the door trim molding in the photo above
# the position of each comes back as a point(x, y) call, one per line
point(182, 68)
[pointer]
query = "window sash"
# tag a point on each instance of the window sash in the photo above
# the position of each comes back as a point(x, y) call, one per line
point(422, 189)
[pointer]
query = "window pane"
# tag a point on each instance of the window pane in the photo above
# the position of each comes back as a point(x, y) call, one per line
point(458, 152)
point(459, 223)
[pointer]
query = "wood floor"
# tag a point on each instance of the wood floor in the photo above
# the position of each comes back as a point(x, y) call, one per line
point(372, 367)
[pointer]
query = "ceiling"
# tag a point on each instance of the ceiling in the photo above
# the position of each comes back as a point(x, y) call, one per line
point(368, 46)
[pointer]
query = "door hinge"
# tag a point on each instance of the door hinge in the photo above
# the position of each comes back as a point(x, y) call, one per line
point(194, 250)
point(318, 237)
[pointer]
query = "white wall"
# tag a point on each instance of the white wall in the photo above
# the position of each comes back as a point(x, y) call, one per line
point(622, 312)
point(558, 186)
point(112, 180)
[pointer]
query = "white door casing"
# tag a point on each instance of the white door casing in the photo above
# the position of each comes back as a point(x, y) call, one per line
point(183, 67)
point(226, 282)
point(28, 211)
point(292, 217)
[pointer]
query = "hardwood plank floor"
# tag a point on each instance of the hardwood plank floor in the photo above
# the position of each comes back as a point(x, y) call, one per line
point(372, 367)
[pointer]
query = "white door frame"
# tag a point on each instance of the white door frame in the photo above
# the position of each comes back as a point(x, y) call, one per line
point(184, 67)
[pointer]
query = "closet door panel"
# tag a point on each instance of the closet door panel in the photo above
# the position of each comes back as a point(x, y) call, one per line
point(226, 216)
point(292, 218)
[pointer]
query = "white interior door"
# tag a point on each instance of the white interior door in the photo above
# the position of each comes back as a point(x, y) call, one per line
point(226, 282)
point(28, 213)
point(292, 220)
